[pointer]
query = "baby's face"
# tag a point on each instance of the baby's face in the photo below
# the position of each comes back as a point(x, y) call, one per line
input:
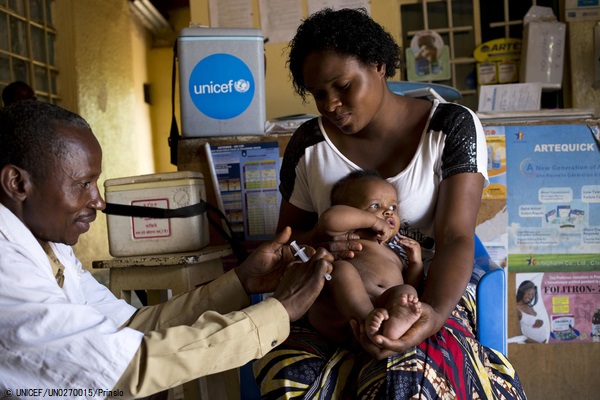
point(381, 199)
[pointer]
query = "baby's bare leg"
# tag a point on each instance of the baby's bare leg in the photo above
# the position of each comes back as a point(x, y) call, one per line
point(344, 298)
point(402, 308)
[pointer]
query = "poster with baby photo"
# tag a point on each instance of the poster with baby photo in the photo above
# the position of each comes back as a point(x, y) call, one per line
point(557, 307)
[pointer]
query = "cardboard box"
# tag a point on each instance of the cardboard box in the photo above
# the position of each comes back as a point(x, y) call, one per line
point(543, 52)
point(221, 81)
point(133, 236)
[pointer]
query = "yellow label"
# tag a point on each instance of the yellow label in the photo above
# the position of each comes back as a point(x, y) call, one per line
point(560, 305)
point(494, 191)
point(560, 309)
point(498, 50)
point(560, 300)
point(508, 72)
point(487, 73)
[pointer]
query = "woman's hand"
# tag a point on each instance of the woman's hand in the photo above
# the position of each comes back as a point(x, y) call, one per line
point(385, 347)
point(342, 247)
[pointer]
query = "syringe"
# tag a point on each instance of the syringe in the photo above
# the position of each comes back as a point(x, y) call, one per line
point(299, 252)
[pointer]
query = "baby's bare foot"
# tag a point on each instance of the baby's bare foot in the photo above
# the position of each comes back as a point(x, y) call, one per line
point(375, 320)
point(405, 312)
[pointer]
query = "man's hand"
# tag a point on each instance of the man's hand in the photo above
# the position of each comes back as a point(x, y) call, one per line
point(302, 283)
point(261, 272)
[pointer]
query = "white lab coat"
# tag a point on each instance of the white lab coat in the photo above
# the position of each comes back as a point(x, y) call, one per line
point(53, 338)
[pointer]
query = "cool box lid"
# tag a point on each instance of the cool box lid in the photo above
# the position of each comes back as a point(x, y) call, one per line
point(166, 179)
point(189, 33)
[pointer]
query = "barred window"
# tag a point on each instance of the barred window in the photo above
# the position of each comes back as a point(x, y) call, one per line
point(27, 38)
point(463, 25)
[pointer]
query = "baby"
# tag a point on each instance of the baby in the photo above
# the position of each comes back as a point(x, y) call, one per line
point(371, 286)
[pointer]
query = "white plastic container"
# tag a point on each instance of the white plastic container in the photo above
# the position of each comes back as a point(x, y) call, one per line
point(543, 50)
point(133, 236)
point(221, 81)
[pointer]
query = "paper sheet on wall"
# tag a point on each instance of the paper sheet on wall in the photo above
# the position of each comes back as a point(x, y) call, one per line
point(316, 5)
point(279, 19)
point(230, 13)
point(510, 97)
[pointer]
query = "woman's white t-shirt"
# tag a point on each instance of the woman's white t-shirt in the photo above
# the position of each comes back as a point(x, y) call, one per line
point(453, 142)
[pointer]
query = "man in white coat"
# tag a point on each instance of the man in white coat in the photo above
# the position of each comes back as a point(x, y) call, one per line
point(60, 328)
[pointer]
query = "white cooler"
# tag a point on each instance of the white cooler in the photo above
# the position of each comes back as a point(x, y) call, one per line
point(221, 81)
point(133, 236)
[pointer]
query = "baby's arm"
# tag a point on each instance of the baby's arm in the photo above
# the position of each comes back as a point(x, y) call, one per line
point(414, 272)
point(340, 219)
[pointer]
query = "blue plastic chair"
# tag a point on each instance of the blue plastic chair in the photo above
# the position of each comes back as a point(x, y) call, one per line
point(404, 88)
point(491, 317)
point(491, 326)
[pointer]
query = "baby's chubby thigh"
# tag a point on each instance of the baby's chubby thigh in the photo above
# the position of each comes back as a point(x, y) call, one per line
point(345, 276)
point(347, 290)
point(337, 303)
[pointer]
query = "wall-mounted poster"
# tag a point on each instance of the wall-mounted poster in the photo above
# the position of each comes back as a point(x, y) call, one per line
point(248, 182)
point(427, 58)
point(557, 307)
point(496, 146)
point(553, 198)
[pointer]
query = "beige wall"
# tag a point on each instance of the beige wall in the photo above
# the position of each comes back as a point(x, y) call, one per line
point(160, 66)
point(102, 76)
point(582, 72)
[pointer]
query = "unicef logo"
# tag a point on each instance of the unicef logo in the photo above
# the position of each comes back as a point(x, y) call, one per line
point(242, 86)
point(221, 86)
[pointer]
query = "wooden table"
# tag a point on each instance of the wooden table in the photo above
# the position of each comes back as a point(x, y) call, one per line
point(178, 272)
